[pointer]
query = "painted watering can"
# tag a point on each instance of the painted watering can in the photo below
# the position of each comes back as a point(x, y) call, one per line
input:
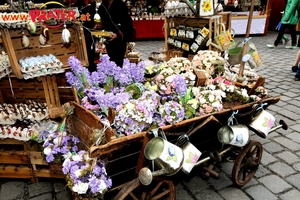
point(165, 155)
point(190, 152)
point(234, 133)
point(263, 121)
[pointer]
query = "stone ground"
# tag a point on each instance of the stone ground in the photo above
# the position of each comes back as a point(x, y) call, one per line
point(278, 174)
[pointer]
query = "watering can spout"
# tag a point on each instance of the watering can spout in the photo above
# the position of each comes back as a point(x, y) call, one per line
point(282, 125)
point(146, 176)
point(209, 42)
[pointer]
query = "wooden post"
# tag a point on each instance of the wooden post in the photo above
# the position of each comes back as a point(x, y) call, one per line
point(245, 47)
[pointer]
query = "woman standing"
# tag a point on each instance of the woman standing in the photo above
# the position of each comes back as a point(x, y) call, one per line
point(115, 18)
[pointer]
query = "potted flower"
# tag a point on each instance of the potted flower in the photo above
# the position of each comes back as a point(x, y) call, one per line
point(85, 176)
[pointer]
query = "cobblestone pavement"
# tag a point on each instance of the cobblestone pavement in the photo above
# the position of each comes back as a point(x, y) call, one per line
point(278, 174)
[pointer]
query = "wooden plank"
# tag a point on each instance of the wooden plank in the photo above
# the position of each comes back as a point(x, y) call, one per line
point(1, 97)
point(15, 171)
point(55, 91)
point(14, 157)
point(9, 49)
point(50, 91)
point(46, 91)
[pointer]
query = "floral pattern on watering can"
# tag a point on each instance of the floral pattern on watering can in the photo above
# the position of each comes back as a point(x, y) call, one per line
point(239, 139)
point(172, 154)
point(268, 122)
point(193, 158)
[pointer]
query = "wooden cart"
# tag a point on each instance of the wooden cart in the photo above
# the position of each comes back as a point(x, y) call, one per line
point(125, 158)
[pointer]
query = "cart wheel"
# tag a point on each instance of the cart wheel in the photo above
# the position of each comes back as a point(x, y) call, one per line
point(159, 189)
point(246, 163)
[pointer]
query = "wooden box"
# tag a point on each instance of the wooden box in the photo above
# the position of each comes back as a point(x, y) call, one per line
point(40, 168)
point(14, 159)
point(209, 22)
point(54, 90)
point(11, 39)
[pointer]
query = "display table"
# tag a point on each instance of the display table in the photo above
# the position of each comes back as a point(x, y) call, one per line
point(147, 29)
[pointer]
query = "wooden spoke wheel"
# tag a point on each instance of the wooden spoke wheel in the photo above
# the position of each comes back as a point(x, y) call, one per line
point(160, 188)
point(246, 163)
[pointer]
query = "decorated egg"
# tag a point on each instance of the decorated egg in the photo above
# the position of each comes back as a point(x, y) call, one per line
point(42, 39)
point(25, 41)
point(65, 36)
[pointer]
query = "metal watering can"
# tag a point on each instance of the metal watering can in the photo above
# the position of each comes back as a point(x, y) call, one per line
point(234, 133)
point(167, 156)
point(263, 121)
point(190, 152)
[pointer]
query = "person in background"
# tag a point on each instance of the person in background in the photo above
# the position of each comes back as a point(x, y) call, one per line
point(296, 68)
point(288, 21)
point(87, 10)
point(115, 18)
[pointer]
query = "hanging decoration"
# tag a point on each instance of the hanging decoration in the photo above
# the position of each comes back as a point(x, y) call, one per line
point(65, 36)
point(31, 26)
point(24, 40)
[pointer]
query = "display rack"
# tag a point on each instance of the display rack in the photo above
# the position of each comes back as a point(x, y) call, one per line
point(211, 23)
point(11, 39)
point(49, 88)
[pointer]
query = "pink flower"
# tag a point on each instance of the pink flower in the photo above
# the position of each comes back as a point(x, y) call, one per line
point(159, 77)
point(168, 90)
point(270, 123)
point(208, 109)
point(194, 159)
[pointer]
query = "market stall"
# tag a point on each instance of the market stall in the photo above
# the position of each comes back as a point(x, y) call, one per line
point(129, 130)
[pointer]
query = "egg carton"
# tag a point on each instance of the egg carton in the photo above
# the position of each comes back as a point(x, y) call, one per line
point(21, 24)
point(43, 68)
point(5, 72)
point(22, 134)
point(42, 73)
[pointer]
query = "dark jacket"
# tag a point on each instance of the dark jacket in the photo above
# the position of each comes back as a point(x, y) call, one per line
point(116, 18)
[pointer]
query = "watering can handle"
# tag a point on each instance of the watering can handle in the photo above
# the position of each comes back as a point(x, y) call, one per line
point(182, 140)
point(231, 30)
point(158, 131)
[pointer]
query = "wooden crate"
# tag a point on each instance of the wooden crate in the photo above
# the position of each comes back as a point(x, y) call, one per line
point(208, 22)
point(12, 45)
point(40, 167)
point(124, 156)
point(54, 90)
point(14, 159)
point(82, 123)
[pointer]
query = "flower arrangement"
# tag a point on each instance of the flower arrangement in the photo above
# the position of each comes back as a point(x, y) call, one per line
point(210, 61)
point(136, 115)
point(151, 69)
point(180, 64)
point(57, 145)
point(209, 100)
point(106, 86)
point(168, 82)
point(171, 112)
point(86, 176)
